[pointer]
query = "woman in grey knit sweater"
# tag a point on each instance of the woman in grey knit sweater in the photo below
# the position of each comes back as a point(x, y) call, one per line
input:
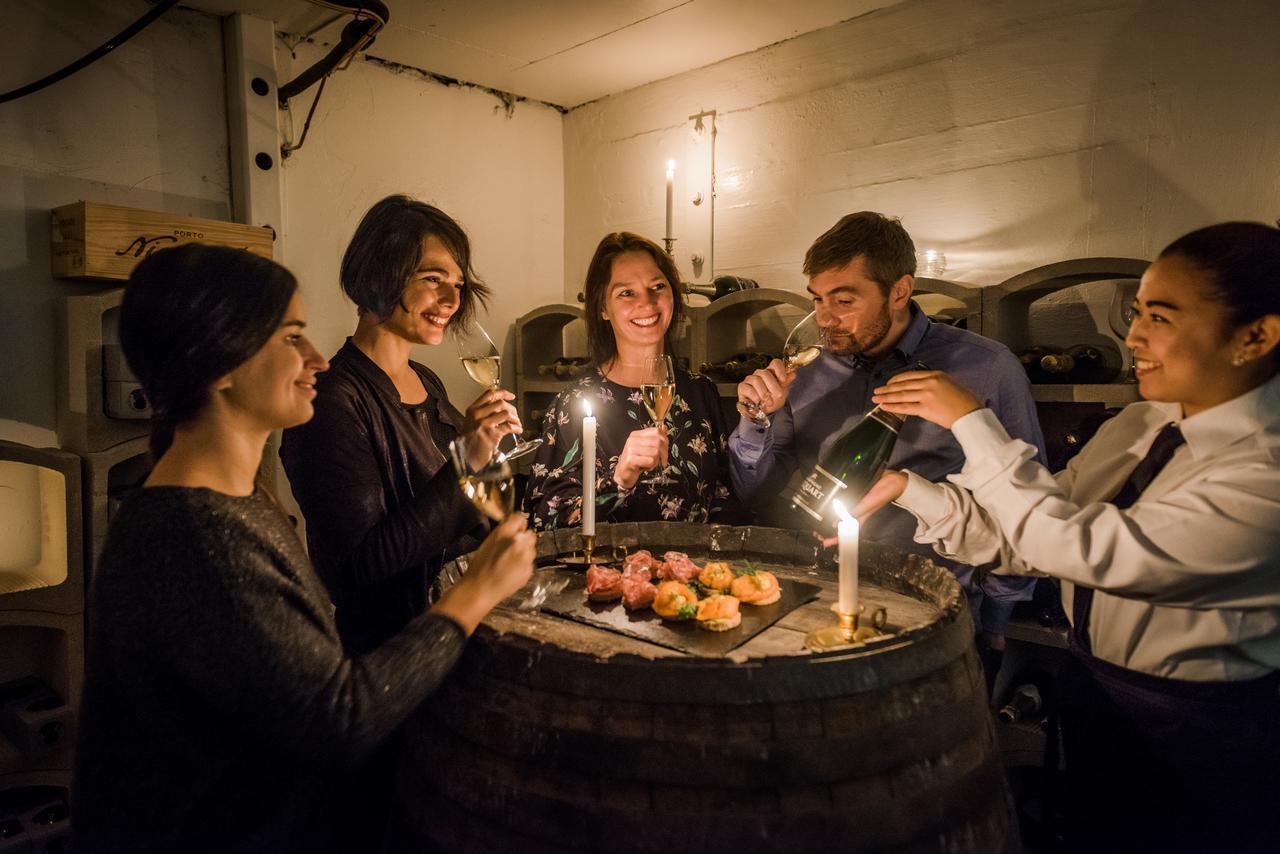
point(220, 713)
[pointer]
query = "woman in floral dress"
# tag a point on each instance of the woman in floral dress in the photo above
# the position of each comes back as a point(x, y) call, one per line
point(632, 302)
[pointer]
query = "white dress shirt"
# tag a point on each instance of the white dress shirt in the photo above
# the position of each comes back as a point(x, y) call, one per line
point(1187, 579)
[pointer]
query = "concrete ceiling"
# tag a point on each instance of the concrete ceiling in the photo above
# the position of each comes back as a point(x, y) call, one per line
point(563, 52)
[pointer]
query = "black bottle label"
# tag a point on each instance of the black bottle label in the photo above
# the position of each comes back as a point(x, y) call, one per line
point(816, 492)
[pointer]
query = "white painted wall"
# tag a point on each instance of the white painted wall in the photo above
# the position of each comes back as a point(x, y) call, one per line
point(378, 132)
point(145, 126)
point(1009, 133)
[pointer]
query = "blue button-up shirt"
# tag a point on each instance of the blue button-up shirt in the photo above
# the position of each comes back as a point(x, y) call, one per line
point(834, 392)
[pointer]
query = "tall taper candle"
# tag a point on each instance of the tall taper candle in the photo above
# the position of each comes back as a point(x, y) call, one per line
point(671, 174)
point(588, 472)
point(847, 583)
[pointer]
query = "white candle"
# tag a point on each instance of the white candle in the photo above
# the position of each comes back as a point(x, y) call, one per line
point(588, 472)
point(847, 584)
point(671, 174)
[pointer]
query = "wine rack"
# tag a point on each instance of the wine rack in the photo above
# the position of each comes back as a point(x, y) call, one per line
point(1007, 310)
point(965, 309)
point(749, 321)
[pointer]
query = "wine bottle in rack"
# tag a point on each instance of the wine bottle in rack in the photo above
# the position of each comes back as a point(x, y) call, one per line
point(1093, 363)
point(736, 368)
point(1032, 360)
point(566, 367)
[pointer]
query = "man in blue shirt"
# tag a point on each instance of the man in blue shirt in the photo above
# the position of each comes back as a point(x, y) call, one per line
point(861, 275)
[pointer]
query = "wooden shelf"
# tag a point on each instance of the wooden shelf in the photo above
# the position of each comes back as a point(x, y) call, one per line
point(1111, 394)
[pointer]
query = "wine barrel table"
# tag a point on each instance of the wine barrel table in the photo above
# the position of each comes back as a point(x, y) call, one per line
point(552, 735)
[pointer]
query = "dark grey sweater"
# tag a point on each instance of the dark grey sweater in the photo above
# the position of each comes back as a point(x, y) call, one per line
point(219, 712)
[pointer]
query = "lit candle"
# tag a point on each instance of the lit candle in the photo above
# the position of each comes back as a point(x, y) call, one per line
point(588, 472)
point(671, 174)
point(847, 584)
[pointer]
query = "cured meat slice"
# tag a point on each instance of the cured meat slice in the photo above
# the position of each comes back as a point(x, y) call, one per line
point(639, 559)
point(676, 566)
point(603, 585)
point(637, 591)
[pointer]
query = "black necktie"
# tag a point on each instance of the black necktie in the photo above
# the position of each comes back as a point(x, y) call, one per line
point(1167, 441)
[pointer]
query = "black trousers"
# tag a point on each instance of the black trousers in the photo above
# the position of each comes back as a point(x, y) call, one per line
point(1168, 765)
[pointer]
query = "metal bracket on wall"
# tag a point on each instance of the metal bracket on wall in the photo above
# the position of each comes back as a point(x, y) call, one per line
point(695, 201)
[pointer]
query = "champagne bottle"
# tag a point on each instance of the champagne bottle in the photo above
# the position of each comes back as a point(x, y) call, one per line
point(853, 464)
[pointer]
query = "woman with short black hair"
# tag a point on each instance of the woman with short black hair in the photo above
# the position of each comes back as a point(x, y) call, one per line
point(1165, 530)
point(370, 471)
point(220, 712)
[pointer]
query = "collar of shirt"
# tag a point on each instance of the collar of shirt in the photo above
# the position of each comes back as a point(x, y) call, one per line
point(902, 350)
point(1251, 414)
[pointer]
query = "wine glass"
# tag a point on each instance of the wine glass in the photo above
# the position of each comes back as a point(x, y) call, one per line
point(658, 391)
point(491, 489)
point(1120, 317)
point(483, 364)
point(802, 346)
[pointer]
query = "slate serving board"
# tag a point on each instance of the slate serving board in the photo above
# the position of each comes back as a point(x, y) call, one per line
point(572, 604)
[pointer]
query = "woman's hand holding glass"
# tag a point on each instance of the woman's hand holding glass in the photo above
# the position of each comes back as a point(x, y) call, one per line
point(644, 450)
point(483, 363)
point(931, 395)
point(501, 566)
point(486, 421)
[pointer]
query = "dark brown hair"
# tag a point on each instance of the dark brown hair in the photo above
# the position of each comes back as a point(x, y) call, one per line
point(386, 249)
point(600, 338)
point(882, 241)
point(193, 314)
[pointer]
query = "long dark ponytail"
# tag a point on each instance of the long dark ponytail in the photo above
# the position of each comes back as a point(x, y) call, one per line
point(192, 314)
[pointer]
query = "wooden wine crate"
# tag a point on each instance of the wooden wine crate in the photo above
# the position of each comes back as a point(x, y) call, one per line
point(95, 241)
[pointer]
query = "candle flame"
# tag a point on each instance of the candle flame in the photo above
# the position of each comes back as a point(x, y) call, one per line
point(586, 409)
point(843, 512)
point(671, 168)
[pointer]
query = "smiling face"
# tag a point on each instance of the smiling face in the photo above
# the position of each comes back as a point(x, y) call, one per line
point(431, 296)
point(855, 312)
point(274, 388)
point(638, 303)
point(1182, 347)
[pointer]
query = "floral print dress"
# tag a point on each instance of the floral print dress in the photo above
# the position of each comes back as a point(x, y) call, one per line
point(698, 467)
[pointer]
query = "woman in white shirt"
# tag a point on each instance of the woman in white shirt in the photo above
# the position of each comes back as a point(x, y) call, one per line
point(1170, 703)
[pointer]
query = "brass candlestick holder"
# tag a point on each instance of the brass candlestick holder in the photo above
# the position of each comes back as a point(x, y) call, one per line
point(588, 546)
point(849, 630)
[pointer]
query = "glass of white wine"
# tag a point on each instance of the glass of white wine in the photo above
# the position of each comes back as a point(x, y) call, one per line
point(483, 364)
point(802, 347)
point(492, 490)
point(658, 391)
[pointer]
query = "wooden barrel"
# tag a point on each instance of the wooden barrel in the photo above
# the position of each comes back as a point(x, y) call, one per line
point(557, 736)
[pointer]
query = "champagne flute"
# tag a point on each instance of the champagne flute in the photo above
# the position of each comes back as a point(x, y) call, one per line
point(483, 363)
point(802, 347)
point(658, 392)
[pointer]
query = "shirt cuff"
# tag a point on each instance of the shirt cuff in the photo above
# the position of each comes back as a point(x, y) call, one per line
point(980, 433)
point(925, 500)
